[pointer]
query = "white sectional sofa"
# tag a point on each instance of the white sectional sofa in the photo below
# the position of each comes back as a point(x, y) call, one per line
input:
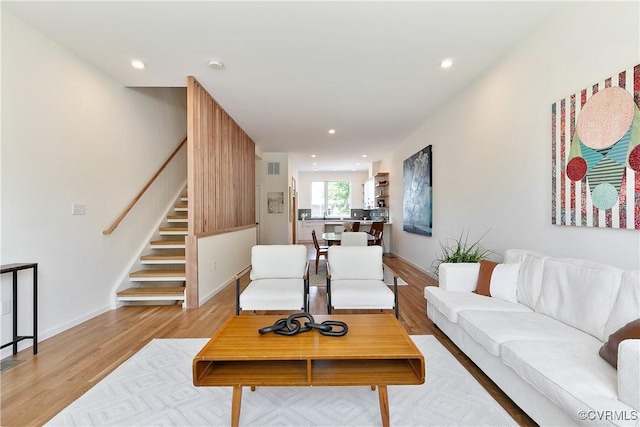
point(543, 350)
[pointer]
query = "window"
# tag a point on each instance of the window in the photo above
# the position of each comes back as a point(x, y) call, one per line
point(330, 199)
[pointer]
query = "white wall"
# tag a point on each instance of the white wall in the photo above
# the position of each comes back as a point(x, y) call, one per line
point(357, 181)
point(492, 143)
point(220, 258)
point(274, 227)
point(72, 134)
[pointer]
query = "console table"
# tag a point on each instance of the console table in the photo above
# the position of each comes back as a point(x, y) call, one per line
point(14, 268)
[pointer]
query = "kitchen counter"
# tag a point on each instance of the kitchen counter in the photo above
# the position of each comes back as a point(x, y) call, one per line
point(340, 222)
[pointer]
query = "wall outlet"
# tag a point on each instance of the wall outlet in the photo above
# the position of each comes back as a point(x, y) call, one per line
point(78, 209)
point(6, 307)
point(214, 266)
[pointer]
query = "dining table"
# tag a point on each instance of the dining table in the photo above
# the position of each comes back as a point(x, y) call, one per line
point(333, 238)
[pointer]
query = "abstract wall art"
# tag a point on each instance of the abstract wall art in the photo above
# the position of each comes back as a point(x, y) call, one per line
point(595, 154)
point(417, 204)
point(275, 202)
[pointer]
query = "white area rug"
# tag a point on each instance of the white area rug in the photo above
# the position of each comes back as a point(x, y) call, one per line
point(320, 279)
point(154, 388)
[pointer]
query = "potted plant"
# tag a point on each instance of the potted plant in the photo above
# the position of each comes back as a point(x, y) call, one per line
point(460, 250)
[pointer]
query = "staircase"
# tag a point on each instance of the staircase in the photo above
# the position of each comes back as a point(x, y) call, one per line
point(163, 278)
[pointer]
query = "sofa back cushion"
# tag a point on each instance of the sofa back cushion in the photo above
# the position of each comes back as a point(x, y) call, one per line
point(278, 261)
point(579, 293)
point(530, 275)
point(627, 305)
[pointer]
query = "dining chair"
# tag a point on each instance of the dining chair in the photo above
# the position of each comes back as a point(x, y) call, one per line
point(376, 225)
point(320, 250)
point(355, 280)
point(279, 279)
point(355, 227)
point(377, 237)
point(354, 239)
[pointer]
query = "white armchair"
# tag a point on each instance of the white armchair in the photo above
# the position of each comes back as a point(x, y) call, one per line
point(355, 280)
point(354, 239)
point(279, 279)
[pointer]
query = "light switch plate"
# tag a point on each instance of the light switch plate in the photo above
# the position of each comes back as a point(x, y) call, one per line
point(78, 209)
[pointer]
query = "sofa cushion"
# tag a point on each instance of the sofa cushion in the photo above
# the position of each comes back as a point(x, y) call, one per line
point(629, 373)
point(530, 275)
point(491, 329)
point(504, 282)
point(572, 375)
point(627, 305)
point(484, 277)
point(609, 351)
point(579, 293)
point(451, 303)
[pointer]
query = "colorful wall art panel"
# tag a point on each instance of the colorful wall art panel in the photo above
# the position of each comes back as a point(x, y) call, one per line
point(417, 204)
point(595, 145)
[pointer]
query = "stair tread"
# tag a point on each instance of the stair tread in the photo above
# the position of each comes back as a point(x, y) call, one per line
point(173, 230)
point(181, 206)
point(177, 217)
point(158, 273)
point(148, 291)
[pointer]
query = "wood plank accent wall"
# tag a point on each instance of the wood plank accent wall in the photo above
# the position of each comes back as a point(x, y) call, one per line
point(221, 175)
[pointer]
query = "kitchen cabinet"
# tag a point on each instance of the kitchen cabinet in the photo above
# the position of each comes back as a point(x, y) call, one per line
point(305, 228)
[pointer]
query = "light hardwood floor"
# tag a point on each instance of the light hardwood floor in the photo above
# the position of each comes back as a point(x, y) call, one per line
point(72, 362)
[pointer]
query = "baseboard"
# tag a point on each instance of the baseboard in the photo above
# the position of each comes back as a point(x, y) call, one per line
point(22, 345)
point(428, 273)
point(215, 291)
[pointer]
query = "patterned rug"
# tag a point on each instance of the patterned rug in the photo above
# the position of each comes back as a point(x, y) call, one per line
point(154, 387)
point(320, 279)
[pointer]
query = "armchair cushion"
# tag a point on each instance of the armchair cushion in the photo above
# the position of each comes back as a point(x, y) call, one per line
point(355, 262)
point(354, 239)
point(361, 294)
point(267, 261)
point(273, 294)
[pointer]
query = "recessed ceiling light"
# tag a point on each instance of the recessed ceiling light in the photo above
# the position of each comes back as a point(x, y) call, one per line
point(364, 155)
point(314, 164)
point(357, 163)
point(313, 155)
point(136, 63)
point(446, 63)
point(214, 64)
point(332, 131)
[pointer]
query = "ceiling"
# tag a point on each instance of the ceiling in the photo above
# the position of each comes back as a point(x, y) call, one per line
point(294, 70)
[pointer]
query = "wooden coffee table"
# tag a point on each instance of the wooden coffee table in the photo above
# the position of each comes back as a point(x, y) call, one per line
point(375, 352)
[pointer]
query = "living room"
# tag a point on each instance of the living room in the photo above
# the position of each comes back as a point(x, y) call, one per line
point(491, 168)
